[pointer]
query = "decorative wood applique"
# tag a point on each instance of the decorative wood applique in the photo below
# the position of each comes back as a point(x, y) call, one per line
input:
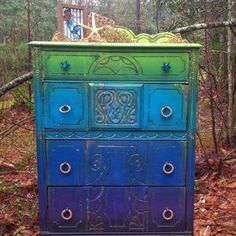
point(165, 37)
point(115, 65)
point(115, 106)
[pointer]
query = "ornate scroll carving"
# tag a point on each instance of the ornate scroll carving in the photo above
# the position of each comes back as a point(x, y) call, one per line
point(115, 106)
point(115, 65)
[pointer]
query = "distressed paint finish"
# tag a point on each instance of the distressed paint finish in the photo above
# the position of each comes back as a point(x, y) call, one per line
point(115, 137)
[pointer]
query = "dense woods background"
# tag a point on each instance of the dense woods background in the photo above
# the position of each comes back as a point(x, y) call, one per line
point(24, 21)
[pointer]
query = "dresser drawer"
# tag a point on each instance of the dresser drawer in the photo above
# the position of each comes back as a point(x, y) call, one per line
point(156, 163)
point(66, 162)
point(112, 66)
point(113, 106)
point(116, 209)
point(165, 107)
point(66, 106)
point(66, 209)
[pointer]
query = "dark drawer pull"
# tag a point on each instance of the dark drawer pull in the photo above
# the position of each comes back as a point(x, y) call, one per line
point(65, 108)
point(65, 168)
point(168, 214)
point(168, 168)
point(166, 67)
point(66, 214)
point(65, 66)
point(166, 111)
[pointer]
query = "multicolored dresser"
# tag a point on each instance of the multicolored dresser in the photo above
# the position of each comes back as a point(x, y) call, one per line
point(116, 130)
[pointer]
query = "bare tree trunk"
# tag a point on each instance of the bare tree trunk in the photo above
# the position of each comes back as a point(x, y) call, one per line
point(138, 14)
point(29, 33)
point(212, 83)
point(234, 89)
point(29, 48)
point(157, 16)
point(230, 60)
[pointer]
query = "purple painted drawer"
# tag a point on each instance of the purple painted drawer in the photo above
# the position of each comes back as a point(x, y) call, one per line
point(116, 209)
point(66, 209)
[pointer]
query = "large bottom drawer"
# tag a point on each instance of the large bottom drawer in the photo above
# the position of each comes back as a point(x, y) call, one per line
point(116, 209)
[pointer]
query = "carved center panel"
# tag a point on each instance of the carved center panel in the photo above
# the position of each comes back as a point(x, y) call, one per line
point(116, 107)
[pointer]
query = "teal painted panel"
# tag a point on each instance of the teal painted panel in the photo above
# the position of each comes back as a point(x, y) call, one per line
point(115, 106)
point(165, 107)
point(65, 106)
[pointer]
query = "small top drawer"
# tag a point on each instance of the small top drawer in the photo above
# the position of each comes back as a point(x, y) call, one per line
point(110, 66)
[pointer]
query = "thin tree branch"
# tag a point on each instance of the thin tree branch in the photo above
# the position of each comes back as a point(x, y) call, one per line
point(201, 26)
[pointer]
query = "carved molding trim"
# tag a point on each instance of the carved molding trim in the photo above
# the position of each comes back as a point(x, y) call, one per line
point(120, 135)
point(37, 61)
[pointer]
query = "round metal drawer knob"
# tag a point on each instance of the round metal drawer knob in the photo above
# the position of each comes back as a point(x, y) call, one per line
point(65, 168)
point(65, 108)
point(168, 214)
point(166, 111)
point(66, 214)
point(168, 168)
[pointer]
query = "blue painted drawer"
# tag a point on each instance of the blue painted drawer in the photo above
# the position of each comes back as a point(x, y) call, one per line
point(168, 162)
point(165, 107)
point(66, 106)
point(161, 163)
point(116, 209)
point(66, 162)
point(109, 106)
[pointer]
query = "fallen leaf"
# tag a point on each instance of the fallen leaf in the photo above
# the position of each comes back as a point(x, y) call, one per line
point(231, 185)
point(206, 231)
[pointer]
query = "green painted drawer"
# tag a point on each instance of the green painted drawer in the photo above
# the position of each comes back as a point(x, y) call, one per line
point(113, 66)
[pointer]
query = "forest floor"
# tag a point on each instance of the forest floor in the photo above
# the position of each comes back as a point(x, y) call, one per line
point(215, 198)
